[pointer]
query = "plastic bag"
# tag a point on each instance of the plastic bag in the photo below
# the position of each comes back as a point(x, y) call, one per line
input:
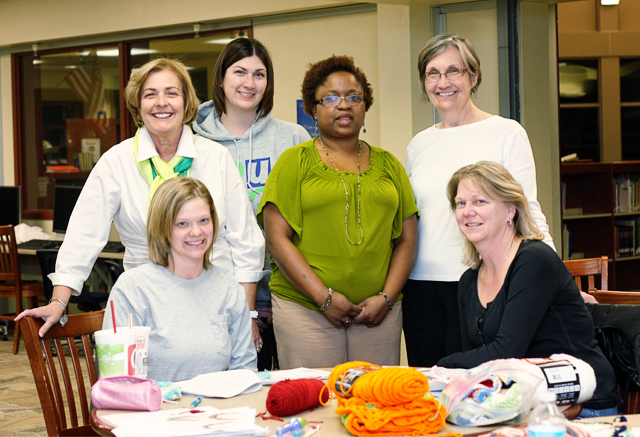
point(498, 391)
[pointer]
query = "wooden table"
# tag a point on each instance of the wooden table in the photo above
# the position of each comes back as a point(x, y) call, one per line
point(331, 425)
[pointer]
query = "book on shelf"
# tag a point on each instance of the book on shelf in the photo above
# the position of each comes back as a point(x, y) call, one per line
point(625, 237)
point(62, 169)
point(566, 243)
point(626, 193)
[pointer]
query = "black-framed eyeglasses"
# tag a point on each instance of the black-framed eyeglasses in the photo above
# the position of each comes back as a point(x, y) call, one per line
point(352, 99)
point(434, 76)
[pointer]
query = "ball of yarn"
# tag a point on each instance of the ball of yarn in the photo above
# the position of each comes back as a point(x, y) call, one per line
point(290, 397)
point(381, 402)
point(386, 386)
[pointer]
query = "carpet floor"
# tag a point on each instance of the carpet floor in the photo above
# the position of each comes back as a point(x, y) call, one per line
point(20, 412)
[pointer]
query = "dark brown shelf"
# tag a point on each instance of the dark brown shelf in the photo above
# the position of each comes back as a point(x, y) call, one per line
point(589, 190)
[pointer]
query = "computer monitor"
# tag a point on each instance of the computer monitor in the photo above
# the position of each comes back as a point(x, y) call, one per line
point(10, 206)
point(64, 200)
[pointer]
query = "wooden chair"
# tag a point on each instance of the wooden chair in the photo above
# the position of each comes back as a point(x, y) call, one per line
point(616, 297)
point(589, 267)
point(11, 284)
point(45, 372)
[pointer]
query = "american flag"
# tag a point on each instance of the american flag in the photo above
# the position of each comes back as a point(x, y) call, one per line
point(91, 93)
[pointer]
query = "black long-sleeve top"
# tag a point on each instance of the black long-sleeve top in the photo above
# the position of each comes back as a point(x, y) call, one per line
point(538, 312)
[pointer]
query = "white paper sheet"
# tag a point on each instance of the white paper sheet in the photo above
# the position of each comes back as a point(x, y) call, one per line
point(226, 384)
point(270, 378)
point(208, 421)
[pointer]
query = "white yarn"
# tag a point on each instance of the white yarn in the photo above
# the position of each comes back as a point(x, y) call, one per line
point(584, 371)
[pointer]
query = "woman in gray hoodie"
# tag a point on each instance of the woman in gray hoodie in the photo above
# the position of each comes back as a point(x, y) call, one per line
point(239, 118)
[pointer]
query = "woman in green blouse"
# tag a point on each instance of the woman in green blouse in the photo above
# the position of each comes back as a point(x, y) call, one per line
point(340, 222)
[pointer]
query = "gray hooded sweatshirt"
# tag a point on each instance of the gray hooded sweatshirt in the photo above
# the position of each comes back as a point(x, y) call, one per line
point(255, 154)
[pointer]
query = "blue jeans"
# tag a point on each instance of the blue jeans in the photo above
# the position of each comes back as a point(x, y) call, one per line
point(590, 412)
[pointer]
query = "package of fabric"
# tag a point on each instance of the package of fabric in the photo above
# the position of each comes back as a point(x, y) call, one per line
point(126, 393)
point(390, 401)
point(570, 378)
point(500, 391)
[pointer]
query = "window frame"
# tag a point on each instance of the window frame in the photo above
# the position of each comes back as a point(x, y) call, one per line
point(125, 119)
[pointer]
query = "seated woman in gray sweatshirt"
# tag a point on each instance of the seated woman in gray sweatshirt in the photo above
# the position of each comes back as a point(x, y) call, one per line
point(198, 316)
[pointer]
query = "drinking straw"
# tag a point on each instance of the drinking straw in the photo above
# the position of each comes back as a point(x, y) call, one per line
point(130, 320)
point(113, 315)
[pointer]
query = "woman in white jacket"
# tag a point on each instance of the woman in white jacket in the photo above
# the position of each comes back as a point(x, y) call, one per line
point(239, 118)
point(162, 101)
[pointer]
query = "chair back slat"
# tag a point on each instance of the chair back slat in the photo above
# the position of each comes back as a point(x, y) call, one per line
point(9, 269)
point(12, 285)
point(66, 378)
point(53, 398)
point(91, 369)
point(82, 393)
point(589, 267)
point(59, 401)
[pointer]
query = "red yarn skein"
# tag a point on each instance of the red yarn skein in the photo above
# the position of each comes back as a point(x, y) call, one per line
point(290, 397)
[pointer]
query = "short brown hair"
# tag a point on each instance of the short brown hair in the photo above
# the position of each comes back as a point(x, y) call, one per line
point(318, 73)
point(233, 52)
point(439, 44)
point(495, 182)
point(139, 76)
point(163, 210)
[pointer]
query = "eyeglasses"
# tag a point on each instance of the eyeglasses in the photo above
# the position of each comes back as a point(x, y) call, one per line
point(353, 99)
point(453, 74)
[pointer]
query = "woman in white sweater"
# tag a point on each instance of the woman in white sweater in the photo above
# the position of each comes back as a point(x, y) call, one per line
point(450, 75)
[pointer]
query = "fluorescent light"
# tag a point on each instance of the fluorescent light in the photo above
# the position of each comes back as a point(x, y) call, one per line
point(224, 41)
point(112, 53)
point(609, 2)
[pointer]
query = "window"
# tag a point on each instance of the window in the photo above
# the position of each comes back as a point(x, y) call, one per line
point(70, 107)
point(630, 108)
point(579, 109)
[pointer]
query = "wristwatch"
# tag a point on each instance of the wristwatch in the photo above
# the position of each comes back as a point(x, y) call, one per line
point(254, 315)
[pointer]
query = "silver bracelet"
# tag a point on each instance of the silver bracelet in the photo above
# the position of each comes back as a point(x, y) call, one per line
point(64, 319)
point(59, 301)
point(325, 305)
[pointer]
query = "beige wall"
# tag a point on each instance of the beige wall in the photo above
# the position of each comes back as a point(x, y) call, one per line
point(6, 121)
point(28, 21)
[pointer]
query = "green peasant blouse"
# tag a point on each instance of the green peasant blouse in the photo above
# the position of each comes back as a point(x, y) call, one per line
point(311, 198)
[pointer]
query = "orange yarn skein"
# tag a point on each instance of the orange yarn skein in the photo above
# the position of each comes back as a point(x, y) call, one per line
point(385, 401)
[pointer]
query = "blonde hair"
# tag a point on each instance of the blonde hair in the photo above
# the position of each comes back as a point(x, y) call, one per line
point(139, 76)
point(163, 210)
point(439, 44)
point(495, 182)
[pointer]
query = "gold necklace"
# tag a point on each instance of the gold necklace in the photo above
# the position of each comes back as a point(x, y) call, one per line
point(346, 193)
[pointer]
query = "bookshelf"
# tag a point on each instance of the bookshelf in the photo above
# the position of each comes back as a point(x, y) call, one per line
point(601, 218)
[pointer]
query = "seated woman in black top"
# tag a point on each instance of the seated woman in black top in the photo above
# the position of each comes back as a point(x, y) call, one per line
point(517, 300)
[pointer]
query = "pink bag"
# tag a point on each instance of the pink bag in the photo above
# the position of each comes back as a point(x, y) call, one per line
point(126, 393)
